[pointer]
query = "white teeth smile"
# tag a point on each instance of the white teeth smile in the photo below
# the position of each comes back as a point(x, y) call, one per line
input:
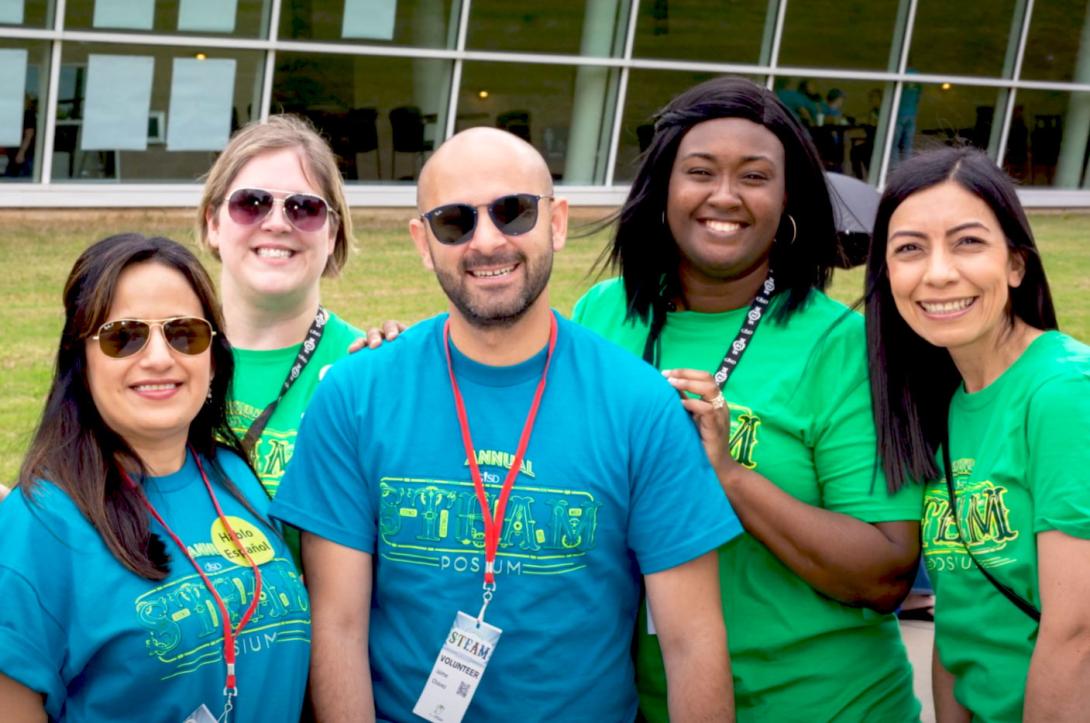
point(947, 307)
point(493, 272)
point(154, 387)
point(723, 226)
point(274, 253)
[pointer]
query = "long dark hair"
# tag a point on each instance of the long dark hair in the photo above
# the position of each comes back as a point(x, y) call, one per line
point(74, 448)
point(911, 380)
point(644, 251)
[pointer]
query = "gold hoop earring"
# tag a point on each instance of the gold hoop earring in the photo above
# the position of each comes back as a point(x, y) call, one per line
point(794, 229)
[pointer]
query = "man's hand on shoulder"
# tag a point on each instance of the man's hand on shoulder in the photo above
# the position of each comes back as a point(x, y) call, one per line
point(375, 337)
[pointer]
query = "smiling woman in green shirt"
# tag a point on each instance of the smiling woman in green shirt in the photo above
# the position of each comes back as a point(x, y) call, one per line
point(969, 369)
point(723, 247)
point(274, 213)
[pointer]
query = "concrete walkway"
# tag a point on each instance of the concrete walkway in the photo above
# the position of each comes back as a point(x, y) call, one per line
point(919, 636)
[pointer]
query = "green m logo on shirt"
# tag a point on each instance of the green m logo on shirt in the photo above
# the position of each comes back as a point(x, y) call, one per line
point(983, 516)
point(743, 435)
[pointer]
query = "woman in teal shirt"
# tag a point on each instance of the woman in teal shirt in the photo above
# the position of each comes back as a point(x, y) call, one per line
point(139, 575)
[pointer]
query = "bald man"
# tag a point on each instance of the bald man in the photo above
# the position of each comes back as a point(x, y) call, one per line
point(482, 500)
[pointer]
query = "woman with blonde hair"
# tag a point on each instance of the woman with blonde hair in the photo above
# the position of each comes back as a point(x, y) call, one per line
point(274, 213)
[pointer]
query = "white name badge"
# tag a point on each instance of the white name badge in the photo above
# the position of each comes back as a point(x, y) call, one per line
point(201, 715)
point(458, 670)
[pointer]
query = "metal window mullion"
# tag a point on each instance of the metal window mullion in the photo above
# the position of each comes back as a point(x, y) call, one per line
point(270, 61)
point(29, 34)
point(456, 71)
point(197, 41)
point(622, 92)
point(53, 94)
point(1012, 93)
point(777, 39)
point(902, 66)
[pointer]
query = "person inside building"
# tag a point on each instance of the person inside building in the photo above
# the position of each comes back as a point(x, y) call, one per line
point(20, 158)
point(421, 500)
point(723, 248)
point(978, 395)
point(273, 212)
point(140, 576)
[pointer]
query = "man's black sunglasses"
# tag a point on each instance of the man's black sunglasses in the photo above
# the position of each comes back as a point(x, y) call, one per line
point(513, 215)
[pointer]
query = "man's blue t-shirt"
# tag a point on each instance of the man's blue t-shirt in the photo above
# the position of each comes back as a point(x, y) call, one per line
point(614, 485)
point(104, 644)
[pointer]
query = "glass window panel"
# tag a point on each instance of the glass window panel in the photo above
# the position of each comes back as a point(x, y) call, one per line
point(382, 116)
point(565, 112)
point(846, 119)
point(839, 34)
point(648, 91)
point(932, 115)
point(416, 23)
point(20, 162)
point(1056, 31)
point(199, 17)
point(964, 38)
point(26, 13)
point(705, 30)
point(591, 27)
point(156, 163)
point(1048, 139)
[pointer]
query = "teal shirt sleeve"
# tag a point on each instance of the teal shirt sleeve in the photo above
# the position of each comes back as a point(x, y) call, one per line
point(679, 510)
point(1059, 453)
point(34, 645)
point(32, 642)
point(324, 491)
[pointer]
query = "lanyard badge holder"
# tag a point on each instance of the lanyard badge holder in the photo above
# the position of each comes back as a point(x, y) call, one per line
point(468, 646)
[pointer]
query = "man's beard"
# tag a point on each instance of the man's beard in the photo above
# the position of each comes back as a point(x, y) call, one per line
point(485, 312)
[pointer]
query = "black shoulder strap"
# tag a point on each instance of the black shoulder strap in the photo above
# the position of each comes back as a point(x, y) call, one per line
point(1019, 602)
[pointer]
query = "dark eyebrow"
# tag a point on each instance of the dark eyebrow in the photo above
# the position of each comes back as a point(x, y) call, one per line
point(912, 234)
point(710, 157)
point(963, 226)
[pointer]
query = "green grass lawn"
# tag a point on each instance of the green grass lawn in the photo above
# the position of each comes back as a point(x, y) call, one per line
point(384, 279)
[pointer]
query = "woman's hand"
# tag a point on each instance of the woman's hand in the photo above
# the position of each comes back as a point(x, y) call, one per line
point(375, 336)
point(845, 558)
point(709, 411)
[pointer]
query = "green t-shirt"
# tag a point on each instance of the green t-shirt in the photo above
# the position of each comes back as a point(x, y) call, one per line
point(800, 415)
point(259, 376)
point(1021, 459)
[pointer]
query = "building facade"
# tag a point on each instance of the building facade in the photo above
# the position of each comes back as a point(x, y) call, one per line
point(126, 102)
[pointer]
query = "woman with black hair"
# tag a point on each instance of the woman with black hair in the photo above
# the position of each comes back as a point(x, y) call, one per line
point(968, 367)
point(723, 247)
point(139, 576)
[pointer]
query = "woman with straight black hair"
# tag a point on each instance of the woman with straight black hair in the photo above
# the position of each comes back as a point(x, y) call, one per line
point(139, 575)
point(728, 222)
point(967, 367)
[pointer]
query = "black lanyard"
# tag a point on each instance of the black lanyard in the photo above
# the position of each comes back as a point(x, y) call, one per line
point(757, 310)
point(1019, 602)
point(306, 351)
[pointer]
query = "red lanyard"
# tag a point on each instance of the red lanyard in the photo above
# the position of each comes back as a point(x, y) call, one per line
point(229, 633)
point(494, 525)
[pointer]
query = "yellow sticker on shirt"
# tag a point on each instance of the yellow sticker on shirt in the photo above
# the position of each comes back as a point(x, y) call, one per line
point(247, 536)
